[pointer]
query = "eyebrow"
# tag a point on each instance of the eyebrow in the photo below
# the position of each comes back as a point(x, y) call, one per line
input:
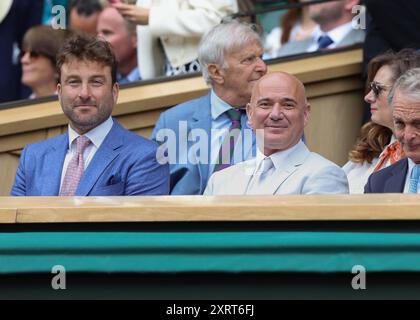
point(286, 99)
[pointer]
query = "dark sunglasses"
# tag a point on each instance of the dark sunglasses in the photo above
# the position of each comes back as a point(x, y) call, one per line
point(377, 88)
point(32, 54)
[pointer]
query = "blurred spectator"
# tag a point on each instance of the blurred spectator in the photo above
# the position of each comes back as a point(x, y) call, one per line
point(38, 57)
point(16, 17)
point(84, 15)
point(122, 36)
point(295, 25)
point(391, 25)
point(377, 146)
point(169, 32)
point(335, 28)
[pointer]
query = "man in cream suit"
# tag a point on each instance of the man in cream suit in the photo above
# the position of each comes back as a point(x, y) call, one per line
point(278, 112)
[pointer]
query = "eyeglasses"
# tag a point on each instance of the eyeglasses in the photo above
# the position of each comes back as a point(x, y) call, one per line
point(32, 54)
point(377, 88)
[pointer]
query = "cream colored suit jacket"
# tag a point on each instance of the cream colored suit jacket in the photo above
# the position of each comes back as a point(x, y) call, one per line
point(305, 173)
point(179, 25)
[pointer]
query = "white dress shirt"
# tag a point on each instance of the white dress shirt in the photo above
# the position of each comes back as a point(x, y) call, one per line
point(358, 173)
point(96, 135)
point(337, 35)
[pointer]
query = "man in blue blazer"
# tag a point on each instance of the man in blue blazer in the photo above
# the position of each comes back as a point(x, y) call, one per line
point(403, 176)
point(192, 133)
point(97, 157)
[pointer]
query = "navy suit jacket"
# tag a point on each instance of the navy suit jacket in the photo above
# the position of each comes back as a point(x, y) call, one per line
point(388, 180)
point(124, 164)
point(188, 177)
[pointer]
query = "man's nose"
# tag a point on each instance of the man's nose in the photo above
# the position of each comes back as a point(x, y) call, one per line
point(84, 92)
point(276, 112)
point(261, 66)
point(410, 132)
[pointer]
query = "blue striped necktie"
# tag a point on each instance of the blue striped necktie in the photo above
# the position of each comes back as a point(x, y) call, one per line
point(414, 179)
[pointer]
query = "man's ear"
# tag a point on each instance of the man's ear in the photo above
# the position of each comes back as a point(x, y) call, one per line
point(59, 91)
point(306, 114)
point(249, 112)
point(216, 73)
point(115, 92)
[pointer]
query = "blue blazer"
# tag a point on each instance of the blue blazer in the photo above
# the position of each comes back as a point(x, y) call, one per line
point(124, 164)
point(186, 176)
point(388, 180)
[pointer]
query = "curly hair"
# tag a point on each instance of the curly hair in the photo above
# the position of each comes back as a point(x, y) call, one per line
point(373, 137)
point(85, 47)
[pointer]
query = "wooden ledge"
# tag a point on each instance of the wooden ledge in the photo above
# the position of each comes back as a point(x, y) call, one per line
point(201, 208)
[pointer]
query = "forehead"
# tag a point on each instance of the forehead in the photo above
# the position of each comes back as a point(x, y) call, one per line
point(81, 68)
point(278, 88)
point(406, 108)
point(110, 17)
point(384, 74)
point(250, 47)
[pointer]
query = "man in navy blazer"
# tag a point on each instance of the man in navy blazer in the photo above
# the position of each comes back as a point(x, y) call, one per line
point(403, 176)
point(230, 57)
point(97, 157)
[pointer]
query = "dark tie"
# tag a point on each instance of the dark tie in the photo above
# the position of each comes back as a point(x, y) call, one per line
point(324, 41)
point(228, 143)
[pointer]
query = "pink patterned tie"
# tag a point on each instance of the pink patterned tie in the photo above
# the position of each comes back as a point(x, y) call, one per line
point(75, 168)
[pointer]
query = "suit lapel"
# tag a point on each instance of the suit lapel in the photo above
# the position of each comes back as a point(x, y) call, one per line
point(293, 161)
point(102, 158)
point(202, 120)
point(54, 161)
point(395, 183)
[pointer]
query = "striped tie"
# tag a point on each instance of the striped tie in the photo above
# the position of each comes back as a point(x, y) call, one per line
point(414, 179)
point(75, 168)
point(227, 147)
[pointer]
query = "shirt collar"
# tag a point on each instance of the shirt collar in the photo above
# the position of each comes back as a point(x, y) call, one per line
point(278, 158)
point(96, 135)
point(134, 75)
point(218, 106)
point(337, 34)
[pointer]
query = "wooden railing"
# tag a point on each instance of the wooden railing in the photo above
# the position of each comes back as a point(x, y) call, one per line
point(18, 210)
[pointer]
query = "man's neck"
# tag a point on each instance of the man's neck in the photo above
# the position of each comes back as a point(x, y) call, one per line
point(126, 68)
point(231, 98)
point(331, 25)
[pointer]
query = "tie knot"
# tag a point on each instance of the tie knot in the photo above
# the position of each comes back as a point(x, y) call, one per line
point(81, 144)
point(234, 114)
point(324, 41)
point(266, 165)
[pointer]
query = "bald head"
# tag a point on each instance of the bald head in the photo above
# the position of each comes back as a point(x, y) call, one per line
point(279, 81)
point(279, 111)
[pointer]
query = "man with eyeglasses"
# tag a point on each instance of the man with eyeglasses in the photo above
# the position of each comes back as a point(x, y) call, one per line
point(403, 176)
